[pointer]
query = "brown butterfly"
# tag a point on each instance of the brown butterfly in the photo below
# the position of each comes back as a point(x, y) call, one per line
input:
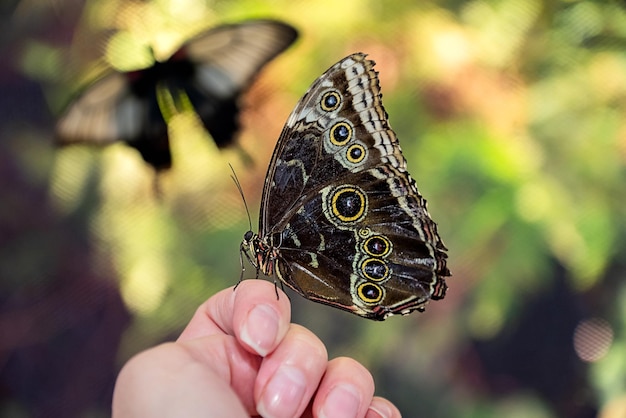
point(342, 222)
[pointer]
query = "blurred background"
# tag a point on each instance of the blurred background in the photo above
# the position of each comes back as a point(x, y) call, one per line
point(511, 114)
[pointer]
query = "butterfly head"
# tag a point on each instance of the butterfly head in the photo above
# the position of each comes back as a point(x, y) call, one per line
point(261, 252)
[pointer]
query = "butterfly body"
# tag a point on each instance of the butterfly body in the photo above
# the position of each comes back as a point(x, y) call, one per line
point(342, 222)
point(211, 70)
point(219, 115)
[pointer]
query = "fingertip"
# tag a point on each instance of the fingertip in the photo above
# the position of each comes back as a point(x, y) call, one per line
point(356, 370)
point(260, 329)
point(290, 375)
point(382, 408)
point(261, 316)
point(227, 312)
point(346, 389)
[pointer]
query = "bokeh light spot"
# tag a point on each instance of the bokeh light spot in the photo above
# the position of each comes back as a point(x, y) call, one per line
point(592, 339)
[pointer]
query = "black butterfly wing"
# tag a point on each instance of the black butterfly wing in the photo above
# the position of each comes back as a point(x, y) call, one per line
point(337, 185)
point(225, 61)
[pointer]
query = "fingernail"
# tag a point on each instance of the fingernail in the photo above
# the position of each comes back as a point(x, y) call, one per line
point(260, 329)
point(378, 411)
point(283, 394)
point(342, 402)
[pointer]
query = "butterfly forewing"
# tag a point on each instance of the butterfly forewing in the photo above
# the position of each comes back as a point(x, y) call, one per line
point(354, 230)
point(238, 51)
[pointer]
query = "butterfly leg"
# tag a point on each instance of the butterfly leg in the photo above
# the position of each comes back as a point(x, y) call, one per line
point(276, 289)
point(242, 250)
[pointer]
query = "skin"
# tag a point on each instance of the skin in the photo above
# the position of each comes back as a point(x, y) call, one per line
point(240, 356)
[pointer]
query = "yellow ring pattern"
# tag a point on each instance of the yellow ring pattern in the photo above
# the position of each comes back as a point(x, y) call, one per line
point(325, 96)
point(384, 276)
point(362, 204)
point(361, 289)
point(386, 243)
point(361, 155)
point(333, 134)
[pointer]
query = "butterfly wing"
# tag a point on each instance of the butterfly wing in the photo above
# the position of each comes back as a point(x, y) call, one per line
point(225, 61)
point(118, 107)
point(212, 69)
point(352, 228)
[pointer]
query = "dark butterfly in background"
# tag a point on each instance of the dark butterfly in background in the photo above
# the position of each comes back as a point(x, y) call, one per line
point(211, 70)
point(342, 222)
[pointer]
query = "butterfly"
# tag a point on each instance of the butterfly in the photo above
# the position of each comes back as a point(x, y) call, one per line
point(341, 221)
point(211, 70)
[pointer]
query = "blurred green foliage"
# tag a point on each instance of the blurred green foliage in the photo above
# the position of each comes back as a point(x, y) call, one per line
point(510, 114)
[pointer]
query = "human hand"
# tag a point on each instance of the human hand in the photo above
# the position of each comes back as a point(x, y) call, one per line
point(240, 356)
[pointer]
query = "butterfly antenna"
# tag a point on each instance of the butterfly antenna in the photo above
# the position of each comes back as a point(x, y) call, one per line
point(241, 248)
point(238, 184)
